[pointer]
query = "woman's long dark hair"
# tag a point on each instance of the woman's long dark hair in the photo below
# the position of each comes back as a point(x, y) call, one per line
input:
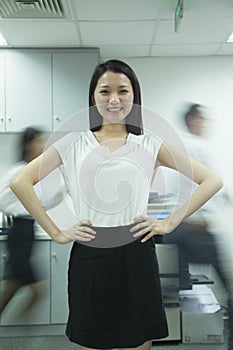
point(134, 118)
point(28, 135)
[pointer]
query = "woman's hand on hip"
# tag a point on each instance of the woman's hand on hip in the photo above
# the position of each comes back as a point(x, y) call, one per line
point(149, 227)
point(80, 232)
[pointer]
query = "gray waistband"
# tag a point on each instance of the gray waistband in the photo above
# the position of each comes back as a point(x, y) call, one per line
point(110, 237)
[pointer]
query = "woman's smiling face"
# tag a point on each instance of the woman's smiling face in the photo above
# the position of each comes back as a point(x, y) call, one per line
point(113, 97)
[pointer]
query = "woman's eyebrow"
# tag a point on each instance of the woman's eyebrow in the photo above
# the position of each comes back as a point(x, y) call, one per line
point(106, 86)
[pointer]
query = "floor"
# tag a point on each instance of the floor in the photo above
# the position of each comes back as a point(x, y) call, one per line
point(61, 343)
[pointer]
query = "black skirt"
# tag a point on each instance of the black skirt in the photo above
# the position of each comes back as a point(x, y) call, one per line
point(114, 295)
point(19, 245)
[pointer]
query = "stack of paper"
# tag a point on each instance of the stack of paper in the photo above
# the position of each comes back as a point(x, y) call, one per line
point(199, 299)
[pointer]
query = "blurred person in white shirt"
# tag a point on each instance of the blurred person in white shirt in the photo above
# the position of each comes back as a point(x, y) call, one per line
point(19, 271)
point(194, 237)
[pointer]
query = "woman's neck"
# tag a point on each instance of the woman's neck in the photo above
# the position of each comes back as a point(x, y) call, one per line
point(113, 130)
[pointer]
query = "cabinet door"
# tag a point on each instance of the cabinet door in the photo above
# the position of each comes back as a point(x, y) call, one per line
point(40, 312)
point(2, 261)
point(173, 320)
point(167, 258)
point(28, 90)
point(71, 78)
point(2, 93)
point(59, 267)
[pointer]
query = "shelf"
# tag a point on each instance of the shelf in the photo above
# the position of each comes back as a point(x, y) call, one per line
point(200, 279)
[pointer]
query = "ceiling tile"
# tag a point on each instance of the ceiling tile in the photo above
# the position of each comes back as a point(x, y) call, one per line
point(184, 50)
point(208, 9)
point(128, 28)
point(116, 10)
point(197, 9)
point(167, 9)
point(40, 33)
point(117, 33)
point(194, 31)
point(121, 51)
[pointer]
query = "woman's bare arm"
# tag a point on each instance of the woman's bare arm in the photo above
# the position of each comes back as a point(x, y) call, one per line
point(23, 184)
point(209, 183)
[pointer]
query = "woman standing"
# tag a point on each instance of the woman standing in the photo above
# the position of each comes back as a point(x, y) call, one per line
point(114, 289)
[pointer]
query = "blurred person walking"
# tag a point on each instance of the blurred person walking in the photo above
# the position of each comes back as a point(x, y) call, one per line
point(18, 271)
point(196, 243)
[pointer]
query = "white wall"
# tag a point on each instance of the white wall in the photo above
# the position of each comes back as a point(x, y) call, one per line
point(167, 83)
point(8, 151)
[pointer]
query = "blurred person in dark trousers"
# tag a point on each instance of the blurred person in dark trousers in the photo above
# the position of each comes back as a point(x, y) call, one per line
point(19, 271)
point(196, 243)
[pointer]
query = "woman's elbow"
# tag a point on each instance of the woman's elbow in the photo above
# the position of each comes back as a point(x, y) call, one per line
point(218, 182)
point(15, 185)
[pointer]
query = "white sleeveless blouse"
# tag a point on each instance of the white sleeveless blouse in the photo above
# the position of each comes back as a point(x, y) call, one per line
point(108, 188)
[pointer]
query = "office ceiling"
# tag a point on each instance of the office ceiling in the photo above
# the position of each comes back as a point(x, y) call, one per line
point(120, 28)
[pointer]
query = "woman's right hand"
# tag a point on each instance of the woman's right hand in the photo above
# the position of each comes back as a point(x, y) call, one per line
point(79, 232)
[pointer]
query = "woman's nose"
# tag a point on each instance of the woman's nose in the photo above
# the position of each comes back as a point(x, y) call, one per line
point(114, 98)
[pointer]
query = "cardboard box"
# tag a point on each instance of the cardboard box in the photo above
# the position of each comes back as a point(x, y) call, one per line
point(201, 316)
point(200, 327)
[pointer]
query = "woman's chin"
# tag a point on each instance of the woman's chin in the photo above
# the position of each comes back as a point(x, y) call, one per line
point(114, 119)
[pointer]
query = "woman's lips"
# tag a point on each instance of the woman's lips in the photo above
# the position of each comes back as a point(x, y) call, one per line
point(114, 109)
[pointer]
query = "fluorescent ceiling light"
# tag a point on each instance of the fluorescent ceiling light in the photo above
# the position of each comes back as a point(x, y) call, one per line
point(3, 41)
point(230, 39)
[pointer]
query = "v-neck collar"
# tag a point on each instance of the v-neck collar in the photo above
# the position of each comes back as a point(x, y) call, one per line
point(105, 149)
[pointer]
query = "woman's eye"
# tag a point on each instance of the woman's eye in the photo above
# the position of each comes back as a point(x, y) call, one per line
point(104, 92)
point(124, 91)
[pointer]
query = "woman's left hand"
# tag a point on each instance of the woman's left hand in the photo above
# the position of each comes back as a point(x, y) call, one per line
point(149, 226)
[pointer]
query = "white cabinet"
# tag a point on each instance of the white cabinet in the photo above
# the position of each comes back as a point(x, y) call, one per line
point(40, 313)
point(59, 267)
point(72, 73)
point(28, 90)
point(168, 267)
point(50, 261)
point(2, 261)
point(43, 87)
point(2, 92)
point(3, 257)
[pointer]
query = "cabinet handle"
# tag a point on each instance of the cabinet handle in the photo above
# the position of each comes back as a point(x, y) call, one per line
point(9, 119)
point(2, 119)
point(54, 255)
point(57, 118)
point(4, 256)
